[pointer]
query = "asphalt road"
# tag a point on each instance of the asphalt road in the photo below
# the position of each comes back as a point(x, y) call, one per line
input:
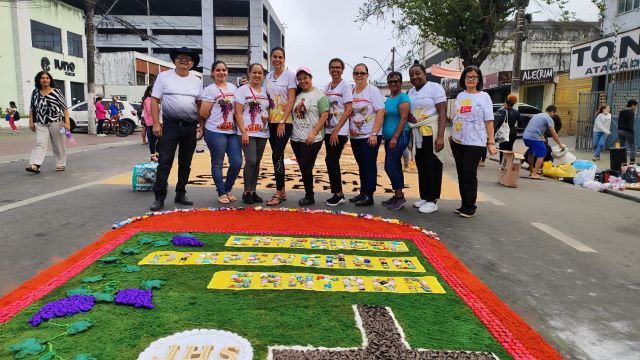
point(582, 298)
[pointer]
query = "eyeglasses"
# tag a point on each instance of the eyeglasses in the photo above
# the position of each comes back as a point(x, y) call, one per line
point(184, 58)
point(356, 73)
point(471, 77)
point(393, 82)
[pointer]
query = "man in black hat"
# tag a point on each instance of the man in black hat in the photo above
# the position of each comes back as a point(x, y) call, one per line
point(179, 93)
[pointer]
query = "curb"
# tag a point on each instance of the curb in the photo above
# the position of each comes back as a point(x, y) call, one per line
point(622, 194)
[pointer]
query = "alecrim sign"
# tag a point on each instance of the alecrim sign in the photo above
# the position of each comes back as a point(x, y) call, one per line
point(613, 54)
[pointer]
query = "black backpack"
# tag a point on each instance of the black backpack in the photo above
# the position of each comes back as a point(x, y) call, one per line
point(631, 176)
point(16, 116)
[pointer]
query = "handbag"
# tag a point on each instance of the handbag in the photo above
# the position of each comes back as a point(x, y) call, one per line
point(502, 135)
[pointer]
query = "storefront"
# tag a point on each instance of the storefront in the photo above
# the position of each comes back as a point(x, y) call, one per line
point(537, 86)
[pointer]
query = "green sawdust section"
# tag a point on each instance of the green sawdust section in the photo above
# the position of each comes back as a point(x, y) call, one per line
point(264, 317)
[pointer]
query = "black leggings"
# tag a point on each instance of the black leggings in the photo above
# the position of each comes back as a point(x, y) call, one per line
point(278, 144)
point(332, 160)
point(306, 156)
point(467, 158)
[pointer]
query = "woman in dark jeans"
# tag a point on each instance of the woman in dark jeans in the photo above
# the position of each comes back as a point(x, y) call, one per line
point(513, 118)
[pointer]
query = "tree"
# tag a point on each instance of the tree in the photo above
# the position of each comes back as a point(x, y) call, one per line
point(468, 27)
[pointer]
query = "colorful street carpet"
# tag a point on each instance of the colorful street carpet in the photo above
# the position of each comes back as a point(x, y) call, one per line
point(262, 284)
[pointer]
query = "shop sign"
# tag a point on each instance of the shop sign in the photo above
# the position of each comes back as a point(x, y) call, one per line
point(68, 67)
point(490, 81)
point(537, 76)
point(609, 55)
point(504, 78)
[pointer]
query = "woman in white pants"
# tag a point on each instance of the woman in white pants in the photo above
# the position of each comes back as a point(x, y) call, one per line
point(48, 114)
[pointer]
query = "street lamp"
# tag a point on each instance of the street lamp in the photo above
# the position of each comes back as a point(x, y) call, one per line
point(381, 68)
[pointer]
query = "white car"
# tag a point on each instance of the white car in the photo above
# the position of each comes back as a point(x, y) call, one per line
point(79, 115)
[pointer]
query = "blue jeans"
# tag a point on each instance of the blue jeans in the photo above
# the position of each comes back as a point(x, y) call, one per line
point(366, 157)
point(393, 161)
point(218, 145)
point(599, 141)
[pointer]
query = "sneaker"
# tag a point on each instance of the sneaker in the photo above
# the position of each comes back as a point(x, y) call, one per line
point(335, 200)
point(256, 199)
point(397, 204)
point(467, 214)
point(389, 201)
point(365, 201)
point(428, 208)
point(418, 204)
point(357, 198)
point(247, 198)
point(305, 201)
point(457, 211)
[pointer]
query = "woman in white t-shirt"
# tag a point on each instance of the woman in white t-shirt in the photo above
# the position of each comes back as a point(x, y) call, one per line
point(471, 136)
point(365, 129)
point(311, 110)
point(220, 130)
point(252, 119)
point(281, 88)
point(338, 93)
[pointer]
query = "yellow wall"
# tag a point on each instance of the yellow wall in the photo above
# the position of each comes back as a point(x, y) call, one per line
point(567, 98)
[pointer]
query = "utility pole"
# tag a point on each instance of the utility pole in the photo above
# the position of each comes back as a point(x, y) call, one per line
point(517, 55)
point(91, 66)
point(393, 59)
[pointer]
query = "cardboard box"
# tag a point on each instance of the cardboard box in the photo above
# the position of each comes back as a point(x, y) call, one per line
point(510, 168)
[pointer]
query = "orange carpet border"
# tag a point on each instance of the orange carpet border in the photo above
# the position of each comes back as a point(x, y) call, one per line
point(518, 338)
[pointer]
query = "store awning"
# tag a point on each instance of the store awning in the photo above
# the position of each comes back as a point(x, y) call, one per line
point(442, 72)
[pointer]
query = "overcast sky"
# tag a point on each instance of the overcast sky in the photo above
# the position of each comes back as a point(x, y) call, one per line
point(317, 31)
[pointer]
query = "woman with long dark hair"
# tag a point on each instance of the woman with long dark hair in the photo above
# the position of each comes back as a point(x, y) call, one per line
point(49, 119)
point(152, 140)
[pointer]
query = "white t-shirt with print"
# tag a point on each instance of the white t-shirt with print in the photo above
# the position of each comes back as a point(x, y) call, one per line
point(469, 126)
point(423, 103)
point(363, 117)
point(338, 97)
point(278, 90)
point(220, 121)
point(178, 94)
point(255, 114)
point(307, 110)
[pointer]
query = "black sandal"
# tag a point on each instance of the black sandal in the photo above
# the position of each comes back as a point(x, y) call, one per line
point(33, 168)
point(276, 200)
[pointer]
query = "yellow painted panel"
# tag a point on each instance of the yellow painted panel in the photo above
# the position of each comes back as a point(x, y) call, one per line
point(315, 243)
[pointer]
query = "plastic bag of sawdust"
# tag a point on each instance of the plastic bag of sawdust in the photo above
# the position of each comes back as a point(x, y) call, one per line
point(560, 171)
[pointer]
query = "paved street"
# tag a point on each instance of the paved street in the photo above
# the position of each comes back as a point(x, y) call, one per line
point(566, 259)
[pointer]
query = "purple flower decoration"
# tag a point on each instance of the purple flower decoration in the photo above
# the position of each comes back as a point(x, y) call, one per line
point(64, 307)
point(186, 240)
point(135, 297)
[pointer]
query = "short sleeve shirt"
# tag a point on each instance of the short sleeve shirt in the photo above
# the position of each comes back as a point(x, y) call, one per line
point(423, 103)
point(306, 114)
point(278, 90)
point(365, 105)
point(392, 115)
point(469, 126)
point(47, 109)
point(256, 111)
point(537, 126)
point(338, 97)
point(179, 95)
point(101, 112)
point(221, 118)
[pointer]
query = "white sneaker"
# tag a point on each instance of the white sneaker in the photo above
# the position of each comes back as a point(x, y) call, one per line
point(418, 204)
point(428, 208)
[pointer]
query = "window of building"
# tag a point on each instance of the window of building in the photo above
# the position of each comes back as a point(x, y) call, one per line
point(627, 5)
point(77, 92)
point(59, 84)
point(74, 42)
point(45, 37)
point(141, 78)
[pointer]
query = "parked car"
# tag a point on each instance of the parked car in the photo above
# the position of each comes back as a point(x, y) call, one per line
point(79, 115)
point(526, 112)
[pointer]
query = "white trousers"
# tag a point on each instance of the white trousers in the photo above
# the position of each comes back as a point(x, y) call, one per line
point(44, 135)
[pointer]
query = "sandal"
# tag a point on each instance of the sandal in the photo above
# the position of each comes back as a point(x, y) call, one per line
point(224, 199)
point(276, 200)
point(231, 197)
point(33, 168)
point(60, 168)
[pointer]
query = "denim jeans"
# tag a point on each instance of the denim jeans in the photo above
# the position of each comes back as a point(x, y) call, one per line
point(366, 157)
point(599, 141)
point(220, 144)
point(628, 138)
point(393, 161)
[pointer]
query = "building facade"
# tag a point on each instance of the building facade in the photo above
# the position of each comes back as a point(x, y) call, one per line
point(41, 35)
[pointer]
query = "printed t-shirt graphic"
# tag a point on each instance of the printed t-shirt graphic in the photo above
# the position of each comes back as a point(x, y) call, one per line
point(278, 94)
point(255, 114)
point(365, 105)
point(423, 103)
point(221, 118)
point(469, 126)
point(338, 97)
point(314, 102)
point(178, 94)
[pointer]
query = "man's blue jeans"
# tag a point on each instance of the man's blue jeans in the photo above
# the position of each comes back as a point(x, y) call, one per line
point(220, 144)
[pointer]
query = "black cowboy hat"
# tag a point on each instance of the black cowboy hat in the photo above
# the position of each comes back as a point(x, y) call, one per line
point(185, 51)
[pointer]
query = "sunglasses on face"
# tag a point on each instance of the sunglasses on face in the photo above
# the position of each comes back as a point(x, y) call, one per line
point(356, 73)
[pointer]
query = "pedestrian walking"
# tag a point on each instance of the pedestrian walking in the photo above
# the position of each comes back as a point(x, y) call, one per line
point(365, 129)
point(49, 119)
point(512, 117)
point(626, 131)
point(429, 117)
point(338, 92)
point(12, 116)
point(395, 132)
point(311, 111)
point(471, 136)
point(220, 131)
point(534, 139)
point(179, 91)
point(147, 122)
point(601, 130)
point(281, 88)
point(101, 116)
point(252, 119)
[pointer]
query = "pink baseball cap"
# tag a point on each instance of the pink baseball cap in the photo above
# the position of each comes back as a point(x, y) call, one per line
point(304, 69)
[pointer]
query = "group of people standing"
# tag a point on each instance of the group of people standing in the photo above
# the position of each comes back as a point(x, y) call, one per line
point(626, 131)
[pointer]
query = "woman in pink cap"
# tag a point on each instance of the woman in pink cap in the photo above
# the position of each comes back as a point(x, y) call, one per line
point(310, 113)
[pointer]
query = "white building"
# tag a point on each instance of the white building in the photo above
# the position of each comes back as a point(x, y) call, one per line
point(620, 16)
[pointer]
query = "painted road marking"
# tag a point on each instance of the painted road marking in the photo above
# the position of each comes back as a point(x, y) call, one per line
point(563, 237)
point(47, 196)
